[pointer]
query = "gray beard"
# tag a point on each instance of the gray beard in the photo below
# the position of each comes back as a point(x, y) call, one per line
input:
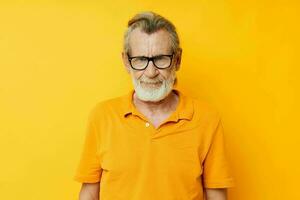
point(154, 94)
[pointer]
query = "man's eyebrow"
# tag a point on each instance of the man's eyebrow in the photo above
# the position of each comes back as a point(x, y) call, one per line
point(154, 55)
point(162, 54)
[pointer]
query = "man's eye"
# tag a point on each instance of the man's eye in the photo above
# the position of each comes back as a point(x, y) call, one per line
point(158, 57)
point(142, 59)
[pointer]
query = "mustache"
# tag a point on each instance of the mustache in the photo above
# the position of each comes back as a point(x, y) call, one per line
point(145, 80)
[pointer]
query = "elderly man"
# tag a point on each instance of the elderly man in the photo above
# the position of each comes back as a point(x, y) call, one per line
point(154, 143)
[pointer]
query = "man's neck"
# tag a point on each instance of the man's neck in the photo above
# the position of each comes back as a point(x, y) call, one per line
point(165, 105)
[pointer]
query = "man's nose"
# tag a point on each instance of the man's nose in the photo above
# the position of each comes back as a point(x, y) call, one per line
point(151, 71)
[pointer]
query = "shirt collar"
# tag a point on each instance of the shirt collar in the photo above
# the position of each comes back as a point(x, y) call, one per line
point(184, 110)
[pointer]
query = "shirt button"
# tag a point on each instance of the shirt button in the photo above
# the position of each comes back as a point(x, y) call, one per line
point(147, 124)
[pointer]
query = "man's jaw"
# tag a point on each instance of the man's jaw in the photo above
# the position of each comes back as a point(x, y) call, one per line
point(146, 84)
point(153, 92)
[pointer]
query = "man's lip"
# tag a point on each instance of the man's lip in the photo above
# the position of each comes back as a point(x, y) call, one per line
point(150, 82)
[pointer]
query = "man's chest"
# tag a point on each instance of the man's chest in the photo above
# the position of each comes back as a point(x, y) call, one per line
point(156, 120)
point(169, 152)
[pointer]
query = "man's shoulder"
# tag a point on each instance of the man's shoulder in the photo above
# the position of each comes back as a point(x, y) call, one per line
point(109, 104)
point(203, 108)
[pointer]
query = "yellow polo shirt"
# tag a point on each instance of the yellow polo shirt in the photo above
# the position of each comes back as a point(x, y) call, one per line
point(133, 160)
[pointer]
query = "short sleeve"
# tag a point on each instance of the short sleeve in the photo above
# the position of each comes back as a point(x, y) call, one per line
point(216, 168)
point(89, 168)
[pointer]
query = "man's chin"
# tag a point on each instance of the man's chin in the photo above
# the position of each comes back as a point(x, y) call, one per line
point(150, 89)
point(151, 86)
point(150, 94)
point(150, 99)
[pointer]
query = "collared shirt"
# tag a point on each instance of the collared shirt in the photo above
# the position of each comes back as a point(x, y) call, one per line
point(133, 160)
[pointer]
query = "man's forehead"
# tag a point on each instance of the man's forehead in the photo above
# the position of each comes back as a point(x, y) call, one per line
point(156, 42)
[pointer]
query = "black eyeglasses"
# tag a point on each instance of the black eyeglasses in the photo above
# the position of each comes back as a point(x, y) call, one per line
point(159, 61)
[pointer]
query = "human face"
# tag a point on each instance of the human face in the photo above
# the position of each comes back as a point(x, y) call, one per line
point(151, 84)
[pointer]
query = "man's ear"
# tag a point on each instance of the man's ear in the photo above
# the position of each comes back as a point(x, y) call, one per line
point(125, 62)
point(178, 58)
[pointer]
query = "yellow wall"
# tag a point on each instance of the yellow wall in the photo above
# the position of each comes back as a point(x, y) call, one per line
point(58, 59)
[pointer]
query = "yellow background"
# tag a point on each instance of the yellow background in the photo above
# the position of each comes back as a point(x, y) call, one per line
point(57, 59)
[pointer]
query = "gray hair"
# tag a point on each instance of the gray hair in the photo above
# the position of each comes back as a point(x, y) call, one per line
point(150, 22)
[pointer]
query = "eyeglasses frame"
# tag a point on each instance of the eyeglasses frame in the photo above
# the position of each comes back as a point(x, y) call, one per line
point(148, 60)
